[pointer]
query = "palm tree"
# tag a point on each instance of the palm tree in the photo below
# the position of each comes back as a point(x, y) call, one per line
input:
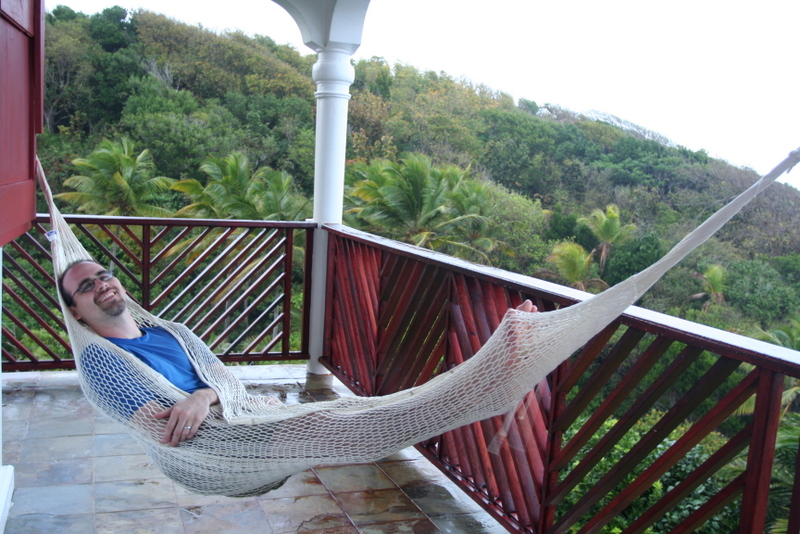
point(232, 191)
point(573, 265)
point(714, 279)
point(271, 196)
point(407, 201)
point(470, 202)
point(607, 228)
point(415, 202)
point(114, 181)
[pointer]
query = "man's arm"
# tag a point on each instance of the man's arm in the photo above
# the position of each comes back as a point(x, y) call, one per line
point(185, 416)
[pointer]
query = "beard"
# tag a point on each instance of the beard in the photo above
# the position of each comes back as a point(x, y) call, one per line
point(115, 309)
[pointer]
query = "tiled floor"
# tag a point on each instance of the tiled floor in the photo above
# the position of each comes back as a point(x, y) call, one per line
point(76, 472)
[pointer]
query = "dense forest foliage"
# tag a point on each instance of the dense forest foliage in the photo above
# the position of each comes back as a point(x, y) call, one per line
point(222, 125)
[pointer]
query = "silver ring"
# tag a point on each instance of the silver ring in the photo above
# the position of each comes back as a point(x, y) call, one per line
point(187, 428)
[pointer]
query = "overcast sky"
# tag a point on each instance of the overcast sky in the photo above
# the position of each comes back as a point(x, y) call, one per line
point(708, 74)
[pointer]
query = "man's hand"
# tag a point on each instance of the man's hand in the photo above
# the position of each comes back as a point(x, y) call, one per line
point(186, 415)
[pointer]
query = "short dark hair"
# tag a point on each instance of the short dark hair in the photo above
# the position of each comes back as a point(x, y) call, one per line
point(60, 282)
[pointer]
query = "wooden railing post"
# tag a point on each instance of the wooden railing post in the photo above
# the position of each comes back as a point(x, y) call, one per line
point(767, 415)
point(794, 508)
point(147, 278)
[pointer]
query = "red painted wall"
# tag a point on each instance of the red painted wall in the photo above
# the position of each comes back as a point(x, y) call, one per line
point(21, 104)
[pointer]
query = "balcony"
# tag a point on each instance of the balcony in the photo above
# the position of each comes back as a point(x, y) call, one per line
point(637, 431)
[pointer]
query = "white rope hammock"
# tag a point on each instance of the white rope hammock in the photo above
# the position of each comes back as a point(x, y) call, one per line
point(248, 444)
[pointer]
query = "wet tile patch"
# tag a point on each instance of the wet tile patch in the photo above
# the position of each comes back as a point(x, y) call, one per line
point(55, 428)
point(57, 500)
point(116, 445)
point(15, 430)
point(160, 521)
point(287, 393)
point(134, 495)
point(421, 526)
point(127, 467)
point(53, 473)
point(409, 453)
point(442, 499)
point(369, 507)
point(304, 514)
point(44, 449)
point(413, 473)
point(356, 477)
point(232, 518)
point(50, 524)
point(60, 403)
point(481, 523)
point(188, 498)
point(299, 485)
point(17, 405)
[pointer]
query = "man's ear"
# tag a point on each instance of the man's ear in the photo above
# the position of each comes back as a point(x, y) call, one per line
point(74, 311)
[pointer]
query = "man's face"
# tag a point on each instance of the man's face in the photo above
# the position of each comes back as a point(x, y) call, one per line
point(105, 299)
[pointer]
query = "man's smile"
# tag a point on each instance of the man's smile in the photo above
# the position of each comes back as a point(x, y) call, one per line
point(107, 295)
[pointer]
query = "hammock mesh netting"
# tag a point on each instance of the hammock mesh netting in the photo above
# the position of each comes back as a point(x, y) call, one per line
point(248, 445)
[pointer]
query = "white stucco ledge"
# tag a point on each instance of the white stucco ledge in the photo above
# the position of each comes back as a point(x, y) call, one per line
point(64, 379)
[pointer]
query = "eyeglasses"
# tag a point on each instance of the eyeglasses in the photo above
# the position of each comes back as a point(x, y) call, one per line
point(88, 285)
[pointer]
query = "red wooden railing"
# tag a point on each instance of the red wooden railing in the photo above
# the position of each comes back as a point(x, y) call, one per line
point(660, 390)
point(230, 281)
point(634, 433)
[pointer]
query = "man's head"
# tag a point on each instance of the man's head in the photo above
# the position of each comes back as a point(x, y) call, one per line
point(91, 292)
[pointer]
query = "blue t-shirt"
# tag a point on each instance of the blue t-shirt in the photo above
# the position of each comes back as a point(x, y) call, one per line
point(119, 384)
point(161, 351)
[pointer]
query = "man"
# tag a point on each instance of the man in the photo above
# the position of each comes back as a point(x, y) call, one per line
point(96, 297)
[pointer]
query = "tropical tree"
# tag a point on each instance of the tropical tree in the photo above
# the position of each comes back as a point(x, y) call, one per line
point(714, 281)
point(608, 229)
point(760, 292)
point(115, 181)
point(406, 200)
point(787, 335)
point(471, 204)
point(68, 49)
point(573, 265)
point(233, 191)
point(413, 201)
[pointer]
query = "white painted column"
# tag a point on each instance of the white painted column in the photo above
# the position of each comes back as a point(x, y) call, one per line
point(6, 471)
point(332, 29)
point(333, 75)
